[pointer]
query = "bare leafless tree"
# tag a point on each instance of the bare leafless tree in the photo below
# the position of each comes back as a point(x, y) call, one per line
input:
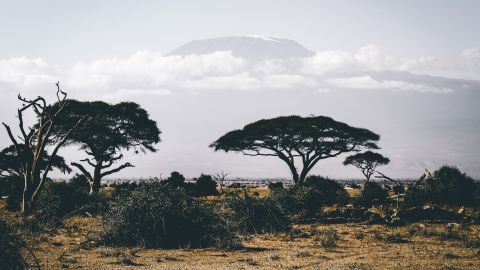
point(34, 140)
point(220, 178)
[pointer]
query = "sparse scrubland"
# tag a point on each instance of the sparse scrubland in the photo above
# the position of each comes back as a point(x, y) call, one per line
point(163, 224)
point(172, 223)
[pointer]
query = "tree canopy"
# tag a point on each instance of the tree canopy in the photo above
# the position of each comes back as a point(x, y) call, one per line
point(305, 140)
point(10, 165)
point(110, 129)
point(367, 162)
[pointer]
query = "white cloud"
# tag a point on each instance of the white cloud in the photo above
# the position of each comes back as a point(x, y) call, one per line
point(368, 58)
point(367, 82)
point(327, 61)
point(123, 94)
point(23, 71)
point(150, 73)
point(471, 57)
point(472, 53)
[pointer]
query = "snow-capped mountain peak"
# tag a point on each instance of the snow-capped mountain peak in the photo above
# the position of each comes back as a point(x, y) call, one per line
point(247, 47)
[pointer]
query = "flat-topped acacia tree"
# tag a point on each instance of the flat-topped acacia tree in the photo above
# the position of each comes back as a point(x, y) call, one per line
point(110, 130)
point(367, 162)
point(305, 140)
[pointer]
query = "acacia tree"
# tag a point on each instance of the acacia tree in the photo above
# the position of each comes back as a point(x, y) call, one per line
point(10, 163)
point(367, 162)
point(110, 130)
point(31, 148)
point(305, 140)
point(11, 173)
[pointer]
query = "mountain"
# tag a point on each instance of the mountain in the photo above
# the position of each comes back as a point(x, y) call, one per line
point(247, 47)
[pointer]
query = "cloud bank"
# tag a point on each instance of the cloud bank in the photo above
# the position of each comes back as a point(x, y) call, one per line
point(151, 73)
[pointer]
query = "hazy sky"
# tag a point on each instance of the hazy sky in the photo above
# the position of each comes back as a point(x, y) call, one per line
point(70, 31)
point(361, 73)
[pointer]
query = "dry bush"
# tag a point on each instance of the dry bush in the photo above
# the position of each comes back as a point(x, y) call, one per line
point(327, 238)
point(157, 215)
point(255, 215)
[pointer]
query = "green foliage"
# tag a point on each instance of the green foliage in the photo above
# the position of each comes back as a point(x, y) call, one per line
point(176, 179)
point(447, 186)
point(109, 128)
point(333, 192)
point(12, 186)
point(367, 162)
point(307, 198)
point(371, 193)
point(60, 199)
point(10, 247)
point(275, 185)
point(158, 215)
point(12, 182)
point(256, 215)
point(205, 186)
point(311, 138)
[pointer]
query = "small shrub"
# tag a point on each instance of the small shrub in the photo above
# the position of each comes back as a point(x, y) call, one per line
point(303, 254)
point(358, 266)
point(60, 199)
point(395, 237)
point(359, 235)
point(473, 242)
point(306, 200)
point(236, 185)
point(327, 238)
point(249, 261)
point(274, 257)
point(333, 192)
point(10, 247)
point(176, 179)
point(421, 230)
point(275, 185)
point(12, 187)
point(450, 255)
point(168, 258)
point(371, 193)
point(205, 186)
point(158, 215)
point(450, 234)
point(255, 215)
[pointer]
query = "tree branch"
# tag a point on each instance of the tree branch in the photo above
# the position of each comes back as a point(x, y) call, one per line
point(126, 165)
point(83, 170)
point(88, 161)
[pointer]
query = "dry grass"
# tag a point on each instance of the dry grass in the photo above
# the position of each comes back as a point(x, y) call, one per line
point(418, 246)
point(378, 247)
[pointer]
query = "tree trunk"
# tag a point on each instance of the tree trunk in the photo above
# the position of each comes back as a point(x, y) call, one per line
point(32, 183)
point(295, 176)
point(303, 174)
point(95, 183)
point(27, 202)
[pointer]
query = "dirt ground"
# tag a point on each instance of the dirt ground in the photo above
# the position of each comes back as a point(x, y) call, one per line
point(358, 247)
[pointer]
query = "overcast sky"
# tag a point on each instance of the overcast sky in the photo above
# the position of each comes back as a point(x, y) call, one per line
point(371, 66)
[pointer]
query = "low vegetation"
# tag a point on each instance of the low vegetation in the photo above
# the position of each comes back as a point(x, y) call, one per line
point(251, 215)
point(11, 245)
point(158, 215)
